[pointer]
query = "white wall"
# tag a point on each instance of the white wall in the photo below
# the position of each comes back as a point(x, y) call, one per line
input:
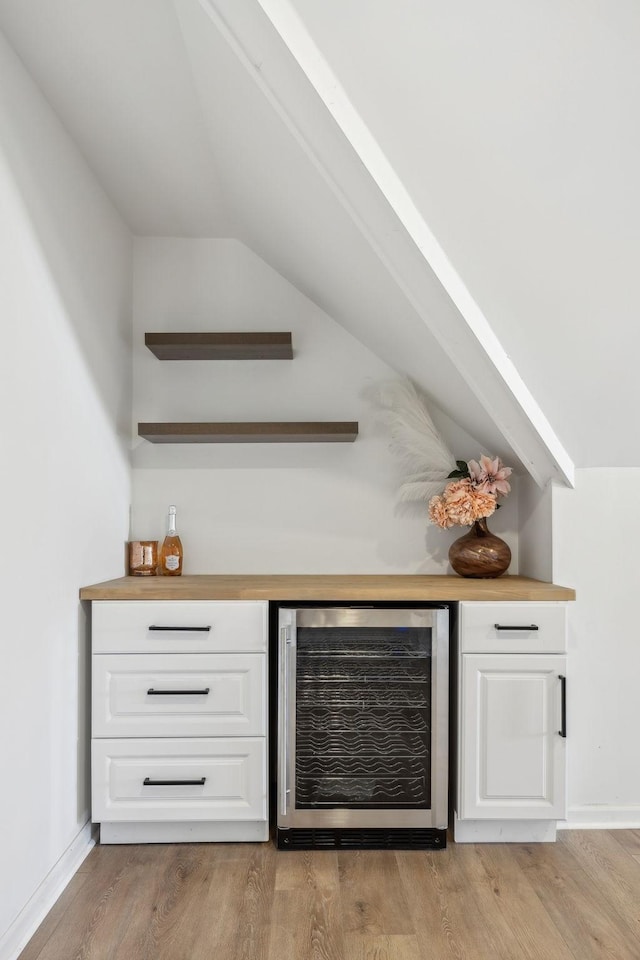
point(65, 395)
point(535, 544)
point(270, 508)
point(595, 531)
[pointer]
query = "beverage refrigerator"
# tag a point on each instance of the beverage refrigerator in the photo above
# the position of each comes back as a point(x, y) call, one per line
point(362, 725)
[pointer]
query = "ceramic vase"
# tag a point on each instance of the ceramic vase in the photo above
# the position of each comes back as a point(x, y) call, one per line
point(479, 553)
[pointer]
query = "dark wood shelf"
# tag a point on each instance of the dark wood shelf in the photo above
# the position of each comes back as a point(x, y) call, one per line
point(257, 432)
point(220, 346)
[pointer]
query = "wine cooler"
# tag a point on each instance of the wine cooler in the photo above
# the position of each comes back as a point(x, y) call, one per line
point(362, 754)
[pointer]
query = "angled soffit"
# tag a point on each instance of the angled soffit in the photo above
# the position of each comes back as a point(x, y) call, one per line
point(199, 121)
point(276, 51)
point(187, 144)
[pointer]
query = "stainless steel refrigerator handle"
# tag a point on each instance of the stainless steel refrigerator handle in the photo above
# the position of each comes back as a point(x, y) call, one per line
point(440, 722)
point(283, 721)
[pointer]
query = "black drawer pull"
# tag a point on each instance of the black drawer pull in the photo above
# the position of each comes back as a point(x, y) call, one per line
point(520, 626)
point(148, 782)
point(177, 693)
point(183, 629)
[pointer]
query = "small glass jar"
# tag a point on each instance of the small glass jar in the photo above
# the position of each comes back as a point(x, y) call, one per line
point(143, 558)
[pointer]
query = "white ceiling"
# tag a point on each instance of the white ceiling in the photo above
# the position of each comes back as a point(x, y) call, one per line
point(116, 73)
point(186, 144)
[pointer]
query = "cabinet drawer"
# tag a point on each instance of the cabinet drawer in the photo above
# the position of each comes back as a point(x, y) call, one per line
point(512, 628)
point(208, 780)
point(168, 695)
point(172, 626)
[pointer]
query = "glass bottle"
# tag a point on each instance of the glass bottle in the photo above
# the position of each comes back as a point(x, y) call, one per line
point(171, 551)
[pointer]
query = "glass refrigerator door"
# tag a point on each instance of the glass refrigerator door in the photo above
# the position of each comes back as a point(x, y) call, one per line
point(361, 706)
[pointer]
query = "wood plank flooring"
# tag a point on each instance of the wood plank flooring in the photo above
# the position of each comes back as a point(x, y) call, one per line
point(578, 899)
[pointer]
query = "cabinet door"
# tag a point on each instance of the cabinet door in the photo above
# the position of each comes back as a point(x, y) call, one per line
point(512, 754)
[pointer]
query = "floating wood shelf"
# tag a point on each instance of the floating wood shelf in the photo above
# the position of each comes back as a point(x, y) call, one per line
point(314, 432)
point(220, 346)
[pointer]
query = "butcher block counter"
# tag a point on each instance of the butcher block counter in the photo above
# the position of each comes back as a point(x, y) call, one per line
point(324, 587)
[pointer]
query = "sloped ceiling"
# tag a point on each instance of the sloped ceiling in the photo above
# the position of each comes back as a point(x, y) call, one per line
point(187, 143)
point(514, 126)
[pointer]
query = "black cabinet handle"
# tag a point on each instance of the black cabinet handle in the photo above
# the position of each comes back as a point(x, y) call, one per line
point(148, 782)
point(182, 629)
point(563, 706)
point(526, 626)
point(176, 693)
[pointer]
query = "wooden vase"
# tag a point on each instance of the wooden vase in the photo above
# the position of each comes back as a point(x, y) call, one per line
point(479, 553)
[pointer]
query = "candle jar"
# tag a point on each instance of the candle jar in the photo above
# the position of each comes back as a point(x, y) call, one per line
point(143, 558)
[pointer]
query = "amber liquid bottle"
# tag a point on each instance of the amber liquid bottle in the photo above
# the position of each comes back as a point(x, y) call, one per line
point(171, 551)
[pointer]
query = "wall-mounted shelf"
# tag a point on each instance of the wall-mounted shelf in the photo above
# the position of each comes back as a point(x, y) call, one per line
point(236, 346)
point(259, 432)
point(220, 346)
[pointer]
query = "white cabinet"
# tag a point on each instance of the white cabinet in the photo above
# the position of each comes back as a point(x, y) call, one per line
point(179, 780)
point(171, 695)
point(510, 737)
point(511, 721)
point(178, 626)
point(179, 691)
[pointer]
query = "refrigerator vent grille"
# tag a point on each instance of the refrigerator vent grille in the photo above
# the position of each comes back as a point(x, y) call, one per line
point(362, 839)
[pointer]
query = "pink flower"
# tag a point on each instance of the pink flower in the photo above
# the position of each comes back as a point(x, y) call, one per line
point(458, 497)
point(438, 513)
point(484, 504)
point(490, 476)
point(457, 489)
point(461, 504)
point(474, 497)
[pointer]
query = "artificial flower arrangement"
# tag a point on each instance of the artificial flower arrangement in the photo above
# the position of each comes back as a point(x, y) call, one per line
point(471, 489)
point(472, 493)
point(474, 488)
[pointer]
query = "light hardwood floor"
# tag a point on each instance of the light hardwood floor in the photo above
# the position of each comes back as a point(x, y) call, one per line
point(578, 899)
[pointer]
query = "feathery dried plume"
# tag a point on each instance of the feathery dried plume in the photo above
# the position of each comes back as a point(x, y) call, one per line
point(424, 456)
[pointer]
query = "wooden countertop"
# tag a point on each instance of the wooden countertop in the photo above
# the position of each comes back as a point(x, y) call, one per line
point(324, 587)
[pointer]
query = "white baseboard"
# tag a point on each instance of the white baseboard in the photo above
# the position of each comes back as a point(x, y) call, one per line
point(194, 831)
point(601, 816)
point(504, 831)
point(35, 910)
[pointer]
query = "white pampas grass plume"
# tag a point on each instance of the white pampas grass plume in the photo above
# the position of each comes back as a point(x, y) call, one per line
point(424, 456)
